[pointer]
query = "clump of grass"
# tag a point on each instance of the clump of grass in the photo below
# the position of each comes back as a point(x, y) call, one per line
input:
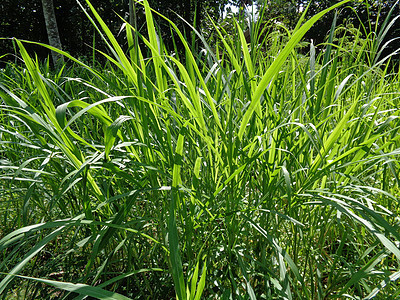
point(226, 174)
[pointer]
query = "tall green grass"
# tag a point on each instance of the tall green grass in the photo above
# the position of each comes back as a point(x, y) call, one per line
point(241, 172)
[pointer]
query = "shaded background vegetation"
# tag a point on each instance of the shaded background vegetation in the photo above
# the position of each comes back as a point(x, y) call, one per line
point(25, 20)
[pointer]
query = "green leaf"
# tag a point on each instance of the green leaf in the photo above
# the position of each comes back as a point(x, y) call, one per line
point(111, 133)
point(80, 288)
point(202, 283)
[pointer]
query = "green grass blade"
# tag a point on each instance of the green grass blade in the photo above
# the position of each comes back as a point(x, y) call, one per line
point(80, 288)
point(278, 62)
point(175, 258)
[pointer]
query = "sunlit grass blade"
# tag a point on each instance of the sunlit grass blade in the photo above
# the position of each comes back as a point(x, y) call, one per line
point(278, 62)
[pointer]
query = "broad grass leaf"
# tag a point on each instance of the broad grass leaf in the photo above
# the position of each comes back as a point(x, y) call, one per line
point(112, 132)
point(80, 288)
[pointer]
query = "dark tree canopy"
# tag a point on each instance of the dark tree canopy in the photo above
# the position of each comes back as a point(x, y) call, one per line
point(22, 21)
point(25, 19)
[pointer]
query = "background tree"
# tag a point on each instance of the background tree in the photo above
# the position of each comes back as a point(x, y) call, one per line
point(52, 29)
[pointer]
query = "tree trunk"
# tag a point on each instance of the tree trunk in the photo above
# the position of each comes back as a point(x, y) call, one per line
point(52, 30)
point(132, 14)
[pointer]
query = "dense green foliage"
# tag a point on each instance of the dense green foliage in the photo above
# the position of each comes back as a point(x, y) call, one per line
point(243, 171)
